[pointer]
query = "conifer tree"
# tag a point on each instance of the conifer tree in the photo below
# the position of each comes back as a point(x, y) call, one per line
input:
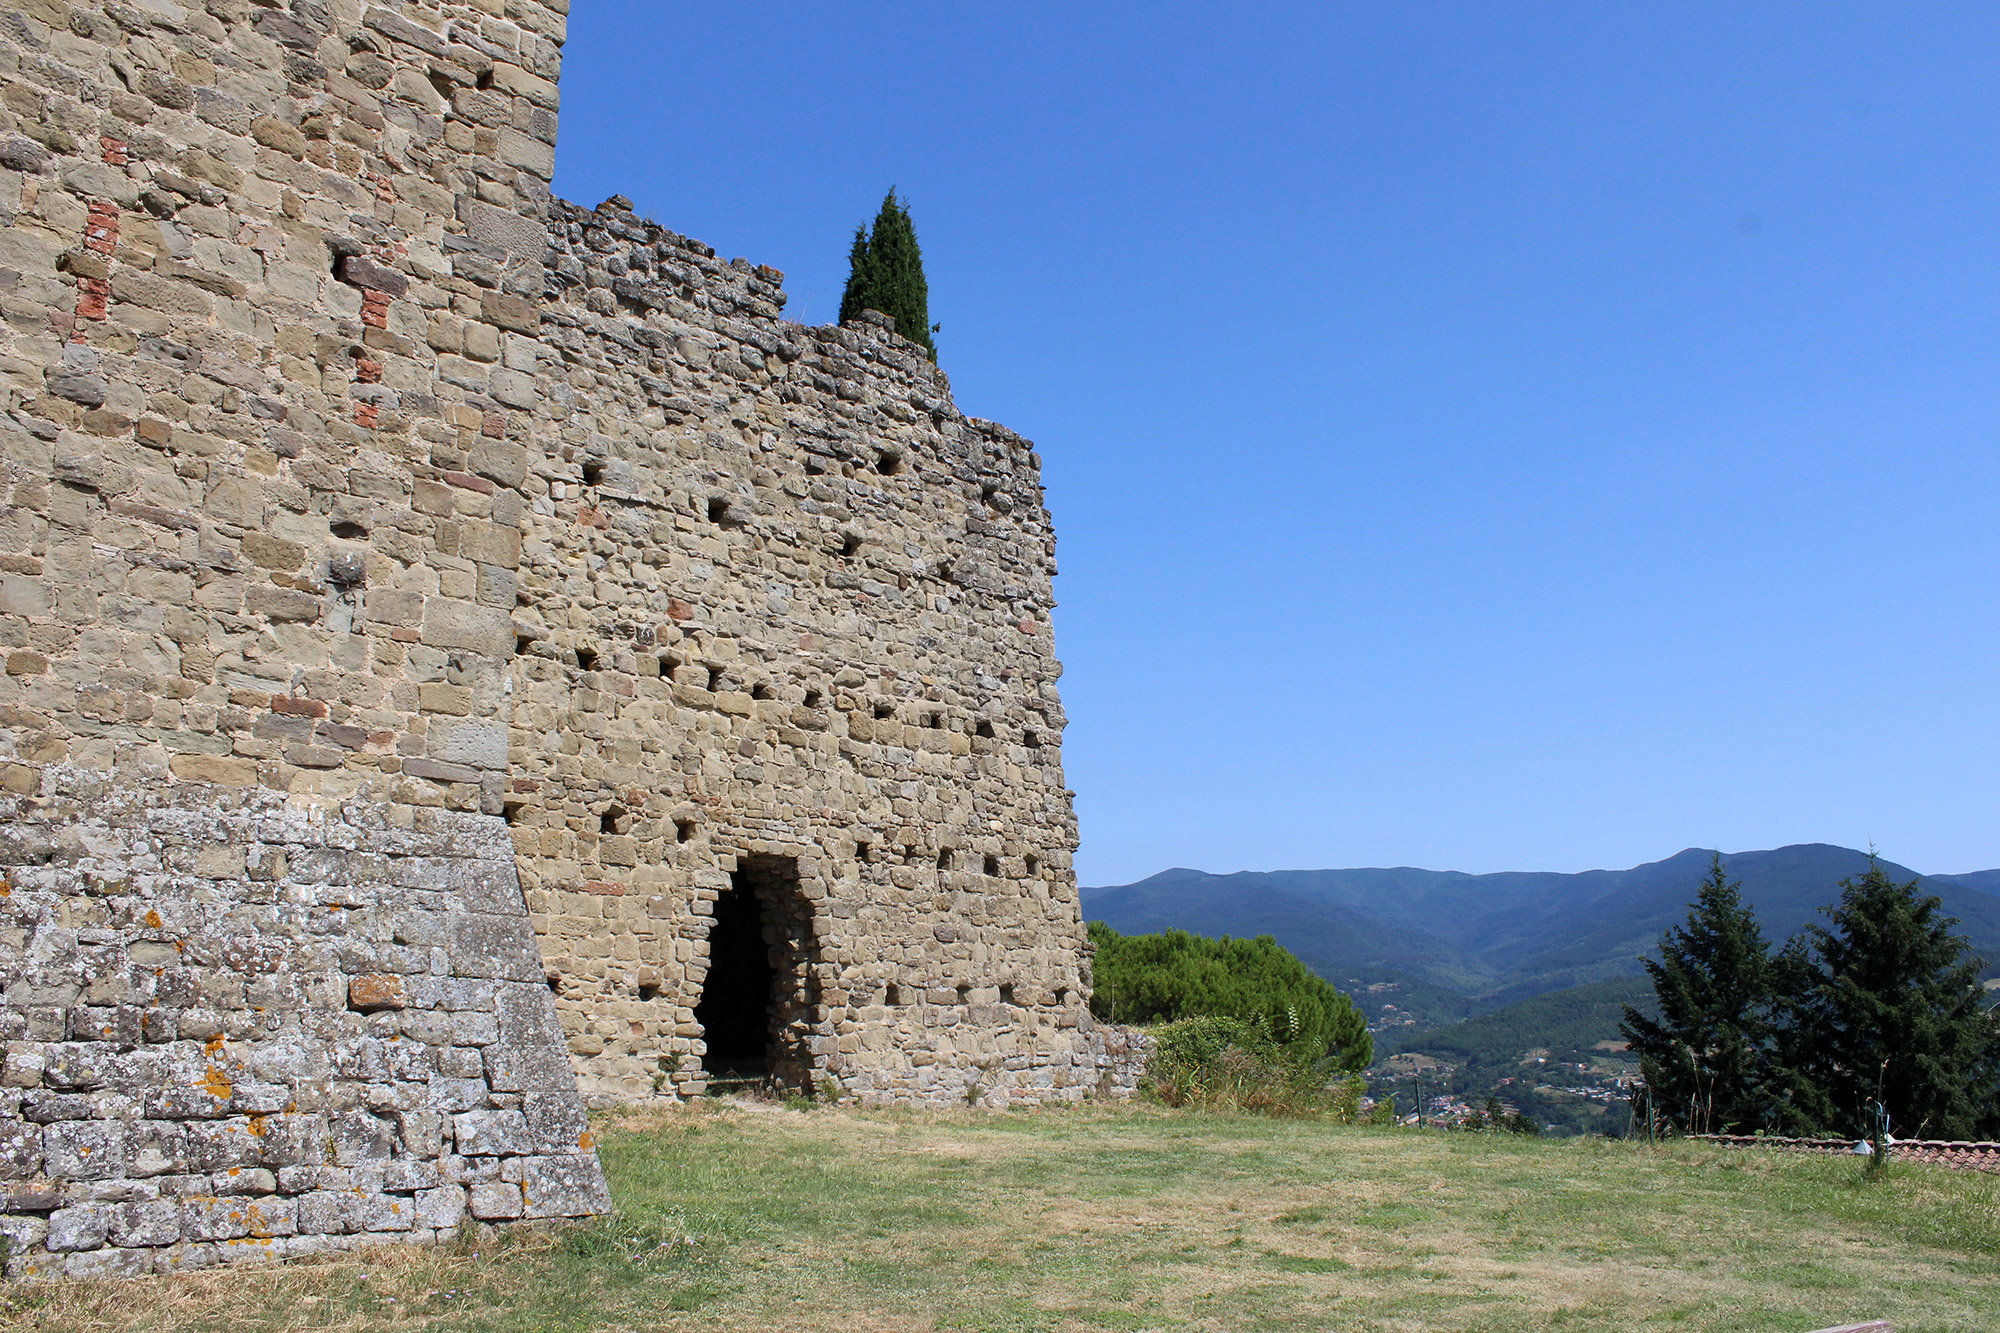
point(1888, 1007)
point(1705, 1059)
point(885, 272)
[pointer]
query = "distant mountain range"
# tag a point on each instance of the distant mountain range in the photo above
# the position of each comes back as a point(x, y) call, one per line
point(1440, 945)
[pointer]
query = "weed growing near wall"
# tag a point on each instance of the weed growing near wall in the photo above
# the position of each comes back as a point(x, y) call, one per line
point(1220, 1063)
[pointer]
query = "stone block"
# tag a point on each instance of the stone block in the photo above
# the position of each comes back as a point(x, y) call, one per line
point(490, 1133)
point(223, 1145)
point(329, 1212)
point(563, 1186)
point(509, 312)
point(502, 227)
point(283, 604)
point(388, 606)
point(454, 624)
point(495, 1201)
point(358, 1138)
point(236, 1218)
point(363, 272)
point(84, 1226)
point(107, 1263)
point(20, 1150)
point(272, 553)
point(23, 596)
point(472, 742)
point(84, 1149)
point(145, 1223)
point(490, 543)
point(529, 1069)
point(441, 1209)
point(499, 947)
point(557, 1123)
point(222, 770)
point(372, 993)
point(387, 1212)
point(155, 1148)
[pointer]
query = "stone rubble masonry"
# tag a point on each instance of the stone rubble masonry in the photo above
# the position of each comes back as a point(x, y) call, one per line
point(351, 483)
point(241, 1025)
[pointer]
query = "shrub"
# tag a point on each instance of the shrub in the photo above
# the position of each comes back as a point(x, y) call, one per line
point(1175, 976)
point(1223, 1063)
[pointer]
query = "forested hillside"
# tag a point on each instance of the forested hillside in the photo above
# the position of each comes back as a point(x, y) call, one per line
point(1577, 1022)
point(1419, 948)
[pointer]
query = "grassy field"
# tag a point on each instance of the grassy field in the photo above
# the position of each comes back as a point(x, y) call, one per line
point(1145, 1219)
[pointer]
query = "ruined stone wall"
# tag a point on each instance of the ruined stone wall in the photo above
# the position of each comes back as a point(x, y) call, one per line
point(238, 1025)
point(256, 273)
point(257, 263)
point(342, 468)
point(780, 597)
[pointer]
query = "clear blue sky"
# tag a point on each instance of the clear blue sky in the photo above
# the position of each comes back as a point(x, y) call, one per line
point(1527, 436)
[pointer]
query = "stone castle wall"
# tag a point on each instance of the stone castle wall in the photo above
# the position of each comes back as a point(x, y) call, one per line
point(780, 597)
point(240, 1026)
point(269, 985)
point(363, 508)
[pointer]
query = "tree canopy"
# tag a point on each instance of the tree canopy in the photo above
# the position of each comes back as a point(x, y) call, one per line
point(1175, 975)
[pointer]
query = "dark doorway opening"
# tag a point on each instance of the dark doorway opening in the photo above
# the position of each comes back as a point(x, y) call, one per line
point(756, 1002)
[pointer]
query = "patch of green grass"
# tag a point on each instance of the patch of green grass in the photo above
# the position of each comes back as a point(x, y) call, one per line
point(1143, 1218)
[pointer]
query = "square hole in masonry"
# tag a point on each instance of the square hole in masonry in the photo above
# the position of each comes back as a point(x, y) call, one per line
point(992, 865)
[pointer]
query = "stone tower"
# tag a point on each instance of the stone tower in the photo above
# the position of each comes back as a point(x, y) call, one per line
point(467, 654)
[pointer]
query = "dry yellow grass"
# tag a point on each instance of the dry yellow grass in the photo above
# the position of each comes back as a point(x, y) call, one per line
point(1146, 1219)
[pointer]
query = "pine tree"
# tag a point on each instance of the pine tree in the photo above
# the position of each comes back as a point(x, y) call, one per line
point(1887, 1006)
point(885, 272)
point(1705, 1060)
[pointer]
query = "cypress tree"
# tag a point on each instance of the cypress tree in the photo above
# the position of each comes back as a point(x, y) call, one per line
point(1705, 1060)
point(885, 272)
point(1888, 1006)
